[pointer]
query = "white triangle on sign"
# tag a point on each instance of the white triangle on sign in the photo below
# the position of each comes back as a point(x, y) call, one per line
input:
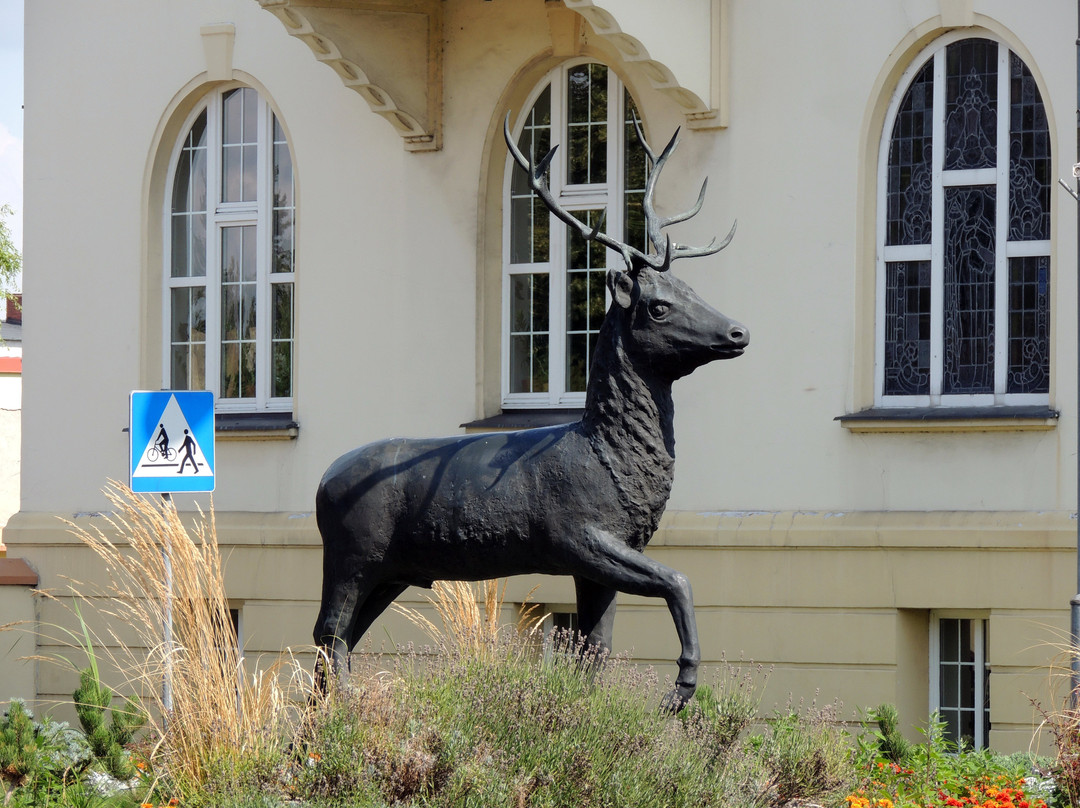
point(178, 454)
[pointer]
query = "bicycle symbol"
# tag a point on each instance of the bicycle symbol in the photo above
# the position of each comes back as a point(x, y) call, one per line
point(154, 453)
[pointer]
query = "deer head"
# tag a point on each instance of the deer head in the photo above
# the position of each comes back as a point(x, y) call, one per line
point(673, 328)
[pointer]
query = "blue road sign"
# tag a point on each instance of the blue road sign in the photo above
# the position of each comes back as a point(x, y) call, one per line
point(172, 441)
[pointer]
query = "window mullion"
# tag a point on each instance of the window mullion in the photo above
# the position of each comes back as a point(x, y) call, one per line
point(937, 258)
point(977, 628)
point(615, 204)
point(557, 235)
point(213, 246)
point(264, 158)
point(1001, 262)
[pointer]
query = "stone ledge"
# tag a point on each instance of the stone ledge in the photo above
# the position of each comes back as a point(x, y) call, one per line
point(16, 572)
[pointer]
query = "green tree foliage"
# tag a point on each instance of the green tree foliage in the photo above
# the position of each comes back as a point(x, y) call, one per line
point(10, 260)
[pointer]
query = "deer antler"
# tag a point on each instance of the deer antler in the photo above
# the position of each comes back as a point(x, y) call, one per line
point(660, 242)
point(665, 250)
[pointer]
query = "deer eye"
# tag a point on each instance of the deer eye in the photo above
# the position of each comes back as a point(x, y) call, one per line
point(659, 309)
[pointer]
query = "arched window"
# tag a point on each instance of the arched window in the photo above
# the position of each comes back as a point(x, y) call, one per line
point(229, 257)
point(553, 281)
point(963, 278)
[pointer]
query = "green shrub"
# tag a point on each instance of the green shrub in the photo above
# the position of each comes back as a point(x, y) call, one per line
point(38, 760)
point(807, 757)
point(92, 699)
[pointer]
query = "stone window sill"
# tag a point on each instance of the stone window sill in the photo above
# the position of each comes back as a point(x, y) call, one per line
point(523, 419)
point(951, 419)
point(236, 426)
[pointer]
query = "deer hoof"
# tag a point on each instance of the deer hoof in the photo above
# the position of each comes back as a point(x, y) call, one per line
point(677, 698)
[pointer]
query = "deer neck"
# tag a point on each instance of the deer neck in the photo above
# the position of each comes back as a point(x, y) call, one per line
point(629, 421)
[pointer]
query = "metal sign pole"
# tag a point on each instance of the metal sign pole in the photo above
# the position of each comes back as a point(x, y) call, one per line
point(166, 686)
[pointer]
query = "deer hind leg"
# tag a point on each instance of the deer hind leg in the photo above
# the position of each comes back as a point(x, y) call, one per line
point(609, 562)
point(333, 628)
point(375, 604)
point(596, 612)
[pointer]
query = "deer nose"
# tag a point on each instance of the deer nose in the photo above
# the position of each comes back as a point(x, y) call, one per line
point(739, 335)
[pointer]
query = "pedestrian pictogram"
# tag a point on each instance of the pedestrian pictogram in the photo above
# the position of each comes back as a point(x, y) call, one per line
point(172, 441)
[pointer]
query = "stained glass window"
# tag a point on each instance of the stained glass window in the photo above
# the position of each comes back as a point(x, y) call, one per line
point(964, 309)
point(554, 282)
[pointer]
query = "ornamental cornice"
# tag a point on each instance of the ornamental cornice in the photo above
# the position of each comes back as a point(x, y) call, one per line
point(388, 52)
point(686, 61)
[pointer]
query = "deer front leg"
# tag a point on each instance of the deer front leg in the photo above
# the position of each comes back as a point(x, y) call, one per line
point(596, 612)
point(604, 559)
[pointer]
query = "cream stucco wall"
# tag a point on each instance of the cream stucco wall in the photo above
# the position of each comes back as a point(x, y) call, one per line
point(811, 546)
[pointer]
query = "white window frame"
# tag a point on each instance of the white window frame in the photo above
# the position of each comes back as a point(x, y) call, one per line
point(980, 626)
point(597, 196)
point(219, 215)
point(934, 252)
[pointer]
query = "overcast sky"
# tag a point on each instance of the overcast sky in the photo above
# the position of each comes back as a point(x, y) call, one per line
point(11, 116)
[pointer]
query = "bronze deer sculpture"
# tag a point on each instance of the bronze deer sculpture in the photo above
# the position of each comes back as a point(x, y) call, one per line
point(580, 499)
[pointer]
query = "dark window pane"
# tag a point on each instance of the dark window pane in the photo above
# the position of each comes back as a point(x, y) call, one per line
point(283, 241)
point(232, 173)
point(181, 314)
point(247, 303)
point(197, 245)
point(950, 686)
point(907, 328)
point(586, 127)
point(281, 370)
point(230, 312)
point(247, 379)
point(232, 253)
point(230, 370)
point(1029, 325)
point(949, 633)
point(540, 363)
point(971, 104)
point(970, 250)
point(178, 379)
point(1029, 157)
point(952, 724)
point(232, 117)
point(249, 255)
point(578, 94)
point(635, 168)
point(250, 173)
point(909, 171)
point(529, 223)
point(181, 202)
point(282, 311)
point(577, 362)
point(179, 260)
point(198, 314)
point(283, 178)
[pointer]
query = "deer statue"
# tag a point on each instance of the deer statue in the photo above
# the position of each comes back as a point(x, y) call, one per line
point(580, 499)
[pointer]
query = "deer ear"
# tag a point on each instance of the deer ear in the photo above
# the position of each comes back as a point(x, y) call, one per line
point(622, 287)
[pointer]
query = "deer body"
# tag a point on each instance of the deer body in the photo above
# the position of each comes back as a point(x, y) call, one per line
point(581, 499)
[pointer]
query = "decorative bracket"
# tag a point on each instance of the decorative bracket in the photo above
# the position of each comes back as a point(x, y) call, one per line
point(388, 51)
point(688, 62)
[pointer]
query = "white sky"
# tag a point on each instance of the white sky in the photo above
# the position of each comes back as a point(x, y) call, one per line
point(11, 116)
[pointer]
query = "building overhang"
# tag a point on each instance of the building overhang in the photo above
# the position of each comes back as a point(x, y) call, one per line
point(391, 52)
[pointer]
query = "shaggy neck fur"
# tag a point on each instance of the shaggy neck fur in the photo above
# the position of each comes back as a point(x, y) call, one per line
point(629, 421)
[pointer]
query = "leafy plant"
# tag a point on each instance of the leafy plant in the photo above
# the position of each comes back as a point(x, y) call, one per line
point(92, 699)
point(720, 713)
point(39, 759)
point(806, 757)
